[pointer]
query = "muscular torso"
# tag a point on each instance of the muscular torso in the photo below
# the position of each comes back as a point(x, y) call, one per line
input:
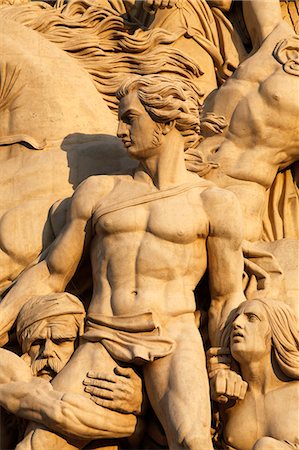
point(148, 257)
point(273, 414)
point(259, 102)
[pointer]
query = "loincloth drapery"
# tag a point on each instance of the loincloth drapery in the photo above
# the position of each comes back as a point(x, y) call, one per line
point(132, 338)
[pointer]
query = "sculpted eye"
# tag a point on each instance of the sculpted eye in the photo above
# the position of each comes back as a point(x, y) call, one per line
point(37, 342)
point(252, 317)
point(59, 341)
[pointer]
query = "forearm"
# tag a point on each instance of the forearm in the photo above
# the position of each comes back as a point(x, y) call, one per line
point(219, 312)
point(69, 414)
point(261, 17)
point(34, 281)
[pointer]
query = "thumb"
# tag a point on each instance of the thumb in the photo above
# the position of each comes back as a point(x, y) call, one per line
point(123, 371)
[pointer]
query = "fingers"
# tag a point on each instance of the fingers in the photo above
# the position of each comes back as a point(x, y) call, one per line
point(108, 387)
point(114, 405)
point(229, 384)
point(243, 390)
point(215, 351)
point(220, 384)
point(99, 383)
point(121, 391)
point(101, 376)
point(99, 393)
point(126, 372)
point(105, 403)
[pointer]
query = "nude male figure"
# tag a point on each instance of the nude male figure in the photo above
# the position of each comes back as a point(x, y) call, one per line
point(259, 105)
point(151, 237)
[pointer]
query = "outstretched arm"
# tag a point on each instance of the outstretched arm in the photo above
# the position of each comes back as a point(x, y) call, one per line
point(261, 17)
point(70, 414)
point(225, 258)
point(55, 271)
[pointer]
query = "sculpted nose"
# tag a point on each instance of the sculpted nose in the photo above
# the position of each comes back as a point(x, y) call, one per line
point(122, 130)
point(48, 348)
point(237, 323)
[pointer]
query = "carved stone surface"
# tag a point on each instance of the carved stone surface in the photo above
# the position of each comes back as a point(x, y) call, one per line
point(149, 224)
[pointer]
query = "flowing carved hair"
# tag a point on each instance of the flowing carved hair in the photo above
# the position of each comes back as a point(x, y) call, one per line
point(284, 335)
point(166, 100)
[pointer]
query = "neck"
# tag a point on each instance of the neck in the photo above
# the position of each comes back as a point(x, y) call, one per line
point(260, 375)
point(167, 166)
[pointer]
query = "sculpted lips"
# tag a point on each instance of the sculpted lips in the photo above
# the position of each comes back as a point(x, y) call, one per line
point(237, 335)
point(127, 143)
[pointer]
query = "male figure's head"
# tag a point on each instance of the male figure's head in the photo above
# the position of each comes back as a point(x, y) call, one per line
point(47, 329)
point(150, 107)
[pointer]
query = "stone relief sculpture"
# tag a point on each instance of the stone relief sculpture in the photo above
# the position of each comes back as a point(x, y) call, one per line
point(130, 319)
point(247, 159)
point(207, 202)
point(47, 329)
point(263, 339)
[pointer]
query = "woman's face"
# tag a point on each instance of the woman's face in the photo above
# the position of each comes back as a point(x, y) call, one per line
point(250, 337)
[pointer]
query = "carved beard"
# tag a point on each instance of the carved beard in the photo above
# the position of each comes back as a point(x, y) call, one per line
point(54, 364)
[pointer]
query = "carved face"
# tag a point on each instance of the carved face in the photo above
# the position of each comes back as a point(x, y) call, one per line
point(250, 334)
point(53, 346)
point(139, 133)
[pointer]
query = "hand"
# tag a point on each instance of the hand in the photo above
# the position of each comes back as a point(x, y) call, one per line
point(153, 5)
point(227, 385)
point(121, 392)
point(218, 358)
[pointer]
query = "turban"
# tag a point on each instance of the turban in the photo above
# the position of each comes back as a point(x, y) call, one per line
point(41, 308)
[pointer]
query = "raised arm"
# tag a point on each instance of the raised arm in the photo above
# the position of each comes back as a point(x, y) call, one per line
point(261, 17)
point(54, 272)
point(225, 259)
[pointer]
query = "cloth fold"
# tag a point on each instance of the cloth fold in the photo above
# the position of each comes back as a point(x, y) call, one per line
point(132, 338)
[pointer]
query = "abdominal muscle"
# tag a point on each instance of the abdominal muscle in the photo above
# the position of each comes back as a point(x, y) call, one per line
point(132, 284)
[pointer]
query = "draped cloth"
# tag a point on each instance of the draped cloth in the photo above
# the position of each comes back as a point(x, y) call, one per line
point(263, 275)
point(281, 219)
point(150, 197)
point(209, 27)
point(131, 338)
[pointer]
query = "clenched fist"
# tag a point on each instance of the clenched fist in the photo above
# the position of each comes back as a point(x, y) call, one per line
point(227, 385)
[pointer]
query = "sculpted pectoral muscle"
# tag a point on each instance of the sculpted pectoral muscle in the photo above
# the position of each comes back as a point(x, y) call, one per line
point(148, 250)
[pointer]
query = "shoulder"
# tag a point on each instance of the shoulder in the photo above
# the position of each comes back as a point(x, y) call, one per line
point(224, 212)
point(89, 193)
point(289, 388)
point(219, 198)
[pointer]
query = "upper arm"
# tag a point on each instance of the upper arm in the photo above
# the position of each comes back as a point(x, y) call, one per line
point(225, 258)
point(66, 251)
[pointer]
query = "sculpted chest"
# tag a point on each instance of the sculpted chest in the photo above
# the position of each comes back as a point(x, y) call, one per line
point(179, 219)
point(262, 415)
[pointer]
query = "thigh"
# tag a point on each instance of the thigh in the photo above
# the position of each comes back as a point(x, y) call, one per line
point(177, 385)
point(88, 356)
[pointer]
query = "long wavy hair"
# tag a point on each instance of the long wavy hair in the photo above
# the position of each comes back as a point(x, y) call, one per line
point(167, 100)
point(284, 335)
